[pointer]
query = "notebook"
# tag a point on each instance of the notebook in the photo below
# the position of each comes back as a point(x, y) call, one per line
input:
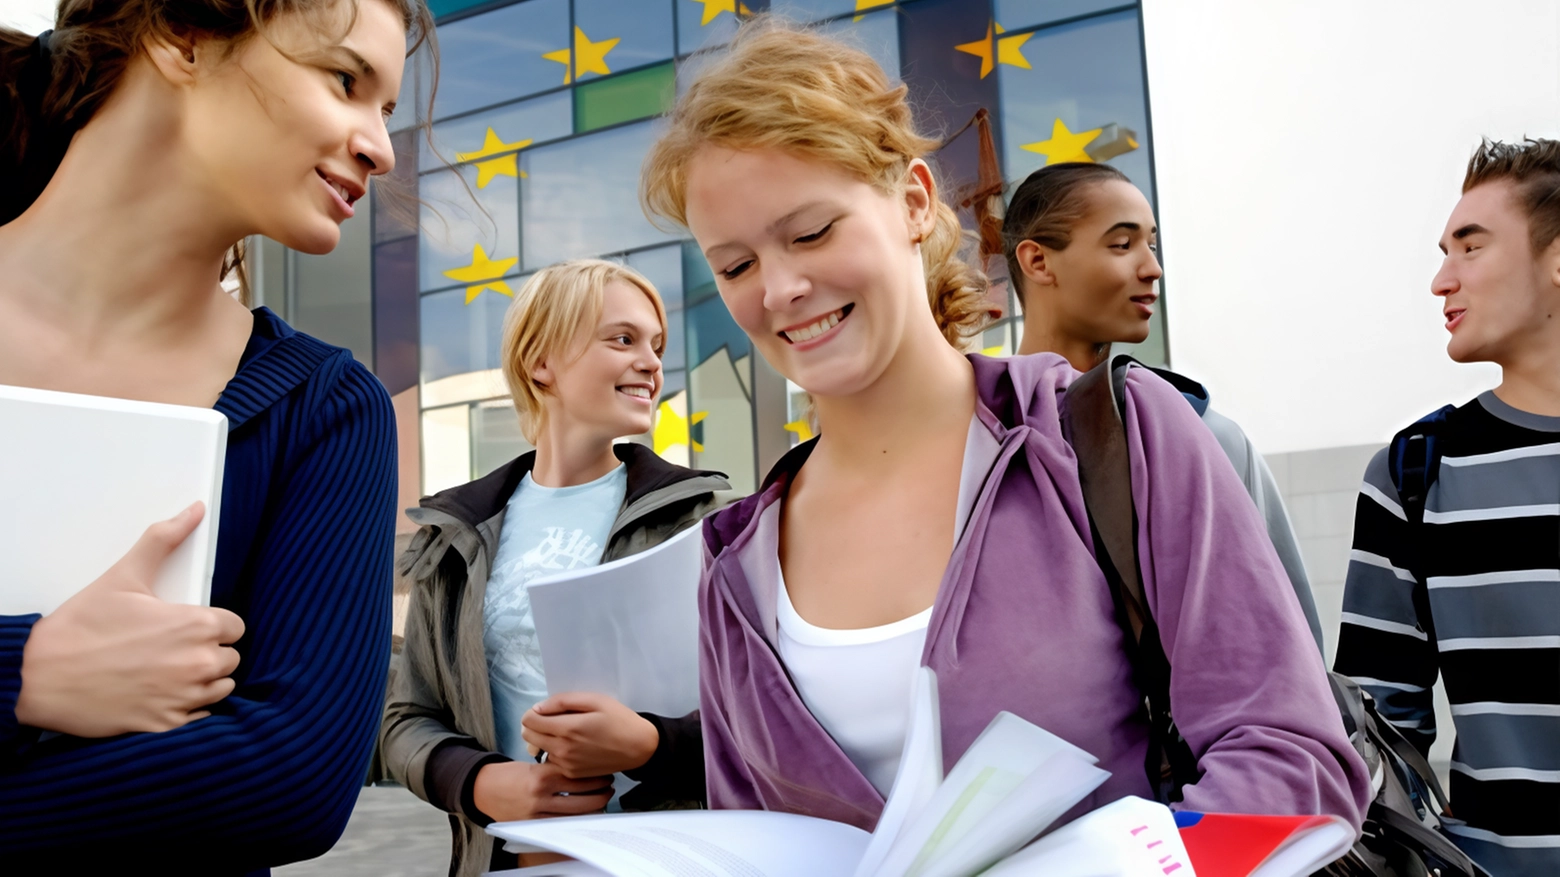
point(81, 477)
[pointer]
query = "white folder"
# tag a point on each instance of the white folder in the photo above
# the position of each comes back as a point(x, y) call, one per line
point(82, 477)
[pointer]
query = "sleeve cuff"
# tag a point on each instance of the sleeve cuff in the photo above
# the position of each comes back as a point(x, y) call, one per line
point(14, 631)
point(675, 772)
point(451, 777)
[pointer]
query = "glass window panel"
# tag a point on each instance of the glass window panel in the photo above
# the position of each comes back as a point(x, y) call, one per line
point(441, 8)
point(332, 295)
point(705, 23)
point(688, 69)
point(698, 279)
point(395, 314)
point(581, 196)
point(446, 447)
point(498, 56)
point(1084, 78)
point(1014, 14)
point(876, 34)
point(495, 436)
point(710, 328)
point(723, 437)
point(643, 29)
point(395, 193)
point(470, 232)
point(814, 10)
point(635, 95)
point(662, 266)
point(515, 126)
point(674, 382)
point(458, 338)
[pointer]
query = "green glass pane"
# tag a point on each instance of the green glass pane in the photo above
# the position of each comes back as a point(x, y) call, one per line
point(635, 95)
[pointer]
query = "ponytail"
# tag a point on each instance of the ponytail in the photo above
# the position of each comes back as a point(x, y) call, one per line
point(31, 147)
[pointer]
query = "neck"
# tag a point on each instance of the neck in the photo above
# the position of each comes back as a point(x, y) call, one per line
point(1043, 335)
point(926, 391)
point(1532, 382)
point(124, 240)
point(567, 455)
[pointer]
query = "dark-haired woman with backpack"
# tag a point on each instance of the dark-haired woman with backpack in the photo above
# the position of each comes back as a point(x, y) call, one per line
point(142, 140)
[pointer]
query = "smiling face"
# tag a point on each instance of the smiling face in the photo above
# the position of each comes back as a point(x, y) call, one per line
point(1496, 295)
point(607, 384)
point(820, 269)
point(287, 135)
point(1102, 287)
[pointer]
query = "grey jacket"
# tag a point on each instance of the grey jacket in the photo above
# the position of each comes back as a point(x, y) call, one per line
point(438, 728)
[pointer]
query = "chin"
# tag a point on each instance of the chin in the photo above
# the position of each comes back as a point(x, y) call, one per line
point(315, 238)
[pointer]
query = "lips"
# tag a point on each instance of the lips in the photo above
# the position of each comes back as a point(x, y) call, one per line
point(344, 192)
point(1145, 303)
point(1453, 317)
point(808, 331)
point(643, 392)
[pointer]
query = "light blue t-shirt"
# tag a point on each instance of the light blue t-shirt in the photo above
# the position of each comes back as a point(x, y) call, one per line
point(547, 530)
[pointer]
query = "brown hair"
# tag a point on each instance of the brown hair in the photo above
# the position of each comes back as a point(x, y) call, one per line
point(548, 314)
point(791, 89)
point(1046, 206)
point(1533, 167)
point(52, 84)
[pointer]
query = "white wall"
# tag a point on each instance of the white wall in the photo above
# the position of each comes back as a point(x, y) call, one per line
point(1308, 153)
point(28, 16)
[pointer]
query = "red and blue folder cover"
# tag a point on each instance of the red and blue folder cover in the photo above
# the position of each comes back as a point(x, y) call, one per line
point(1237, 845)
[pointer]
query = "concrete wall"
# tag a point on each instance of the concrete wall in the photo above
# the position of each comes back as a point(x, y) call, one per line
point(1307, 155)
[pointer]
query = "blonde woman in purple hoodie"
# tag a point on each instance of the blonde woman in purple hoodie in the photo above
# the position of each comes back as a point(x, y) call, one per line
point(938, 520)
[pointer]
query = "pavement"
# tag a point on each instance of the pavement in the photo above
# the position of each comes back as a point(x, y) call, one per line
point(392, 833)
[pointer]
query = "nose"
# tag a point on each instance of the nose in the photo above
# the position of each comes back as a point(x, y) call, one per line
point(370, 145)
point(1445, 281)
point(646, 360)
point(1151, 271)
point(783, 284)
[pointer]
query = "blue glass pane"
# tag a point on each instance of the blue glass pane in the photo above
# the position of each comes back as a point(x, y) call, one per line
point(663, 267)
point(537, 120)
point(497, 56)
point(698, 279)
point(705, 23)
point(581, 196)
point(1085, 77)
point(814, 10)
point(710, 328)
point(459, 338)
point(1014, 14)
point(643, 29)
point(876, 34)
point(470, 233)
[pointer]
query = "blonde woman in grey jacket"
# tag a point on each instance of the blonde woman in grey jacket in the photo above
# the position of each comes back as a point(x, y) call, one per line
point(468, 706)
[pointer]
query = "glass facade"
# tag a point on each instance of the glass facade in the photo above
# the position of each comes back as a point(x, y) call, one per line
point(543, 113)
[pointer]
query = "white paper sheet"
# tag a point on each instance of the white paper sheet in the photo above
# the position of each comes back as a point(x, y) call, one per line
point(629, 628)
point(1127, 838)
point(710, 843)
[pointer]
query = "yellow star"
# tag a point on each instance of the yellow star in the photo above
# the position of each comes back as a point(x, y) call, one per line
point(671, 428)
point(588, 57)
point(487, 170)
point(802, 428)
point(863, 5)
point(713, 9)
point(992, 50)
point(483, 273)
point(993, 351)
point(1064, 145)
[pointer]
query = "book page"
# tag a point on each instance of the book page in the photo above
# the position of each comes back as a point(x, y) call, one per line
point(1127, 838)
point(995, 766)
point(687, 843)
point(1308, 850)
point(628, 628)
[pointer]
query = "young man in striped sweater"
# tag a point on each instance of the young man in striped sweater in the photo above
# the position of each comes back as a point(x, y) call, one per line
point(1465, 580)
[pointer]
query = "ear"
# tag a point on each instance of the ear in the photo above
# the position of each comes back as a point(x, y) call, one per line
point(920, 199)
point(543, 375)
point(1034, 263)
point(1550, 262)
point(173, 56)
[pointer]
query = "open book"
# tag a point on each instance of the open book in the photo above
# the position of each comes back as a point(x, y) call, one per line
point(1013, 782)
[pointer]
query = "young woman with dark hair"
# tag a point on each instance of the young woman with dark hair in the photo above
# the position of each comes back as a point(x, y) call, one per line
point(1082, 252)
point(143, 141)
point(938, 519)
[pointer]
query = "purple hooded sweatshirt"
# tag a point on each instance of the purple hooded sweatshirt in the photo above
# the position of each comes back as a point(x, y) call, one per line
point(1024, 622)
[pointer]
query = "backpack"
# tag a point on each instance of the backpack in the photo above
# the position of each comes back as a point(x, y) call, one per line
point(1400, 836)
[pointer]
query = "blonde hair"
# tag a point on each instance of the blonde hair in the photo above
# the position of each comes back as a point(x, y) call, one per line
point(791, 89)
point(548, 314)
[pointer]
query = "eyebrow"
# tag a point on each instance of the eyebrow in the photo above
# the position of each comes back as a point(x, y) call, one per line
point(710, 253)
point(624, 324)
point(1128, 226)
point(1468, 230)
point(366, 68)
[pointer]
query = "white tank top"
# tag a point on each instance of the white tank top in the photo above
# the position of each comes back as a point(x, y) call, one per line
point(857, 683)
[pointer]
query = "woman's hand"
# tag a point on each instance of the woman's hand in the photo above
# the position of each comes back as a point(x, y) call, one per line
point(510, 790)
point(115, 658)
point(589, 734)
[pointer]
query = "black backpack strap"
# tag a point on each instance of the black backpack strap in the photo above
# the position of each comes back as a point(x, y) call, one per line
point(1414, 463)
point(1092, 423)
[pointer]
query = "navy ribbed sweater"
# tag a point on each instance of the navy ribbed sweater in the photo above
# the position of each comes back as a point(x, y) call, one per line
point(303, 556)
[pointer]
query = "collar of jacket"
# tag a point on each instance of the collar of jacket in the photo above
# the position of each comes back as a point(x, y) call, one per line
point(653, 483)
